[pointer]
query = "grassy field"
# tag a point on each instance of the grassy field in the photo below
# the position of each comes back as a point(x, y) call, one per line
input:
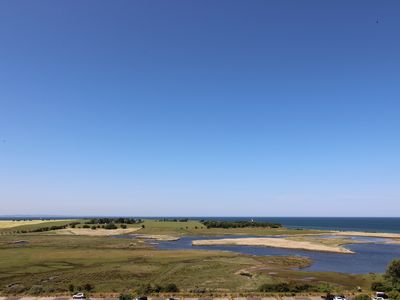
point(14, 226)
point(10, 224)
point(193, 227)
point(115, 265)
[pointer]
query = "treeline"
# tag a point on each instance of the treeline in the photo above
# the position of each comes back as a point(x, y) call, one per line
point(238, 224)
point(106, 226)
point(114, 221)
point(50, 228)
point(172, 220)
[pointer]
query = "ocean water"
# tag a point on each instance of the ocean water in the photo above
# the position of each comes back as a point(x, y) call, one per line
point(368, 224)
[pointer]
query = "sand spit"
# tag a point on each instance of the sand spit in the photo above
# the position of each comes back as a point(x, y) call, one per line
point(158, 237)
point(96, 232)
point(274, 242)
point(367, 234)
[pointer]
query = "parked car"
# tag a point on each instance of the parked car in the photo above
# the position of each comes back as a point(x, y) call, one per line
point(378, 298)
point(141, 298)
point(79, 296)
point(381, 295)
point(341, 297)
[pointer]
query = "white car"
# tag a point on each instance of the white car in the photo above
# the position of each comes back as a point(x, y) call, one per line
point(339, 298)
point(378, 298)
point(79, 296)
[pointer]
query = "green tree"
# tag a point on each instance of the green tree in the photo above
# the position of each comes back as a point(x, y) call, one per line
point(393, 272)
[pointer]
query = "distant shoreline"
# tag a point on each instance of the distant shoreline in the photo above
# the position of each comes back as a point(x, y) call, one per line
point(352, 224)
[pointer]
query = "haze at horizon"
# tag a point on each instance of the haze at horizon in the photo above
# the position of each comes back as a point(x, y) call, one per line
point(185, 108)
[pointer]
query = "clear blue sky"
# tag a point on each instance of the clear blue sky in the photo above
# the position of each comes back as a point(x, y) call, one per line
point(245, 108)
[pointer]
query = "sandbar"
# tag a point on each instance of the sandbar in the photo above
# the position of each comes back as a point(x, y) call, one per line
point(274, 242)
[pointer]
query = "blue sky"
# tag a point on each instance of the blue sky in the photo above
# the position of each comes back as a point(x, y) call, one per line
point(235, 108)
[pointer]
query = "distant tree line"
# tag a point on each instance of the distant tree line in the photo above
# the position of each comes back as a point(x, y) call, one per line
point(238, 224)
point(173, 220)
point(114, 221)
point(50, 228)
point(106, 226)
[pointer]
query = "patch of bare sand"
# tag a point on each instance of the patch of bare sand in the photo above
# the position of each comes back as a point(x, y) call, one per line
point(96, 232)
point(274, 242)
point(367, 234)
point(158, 237)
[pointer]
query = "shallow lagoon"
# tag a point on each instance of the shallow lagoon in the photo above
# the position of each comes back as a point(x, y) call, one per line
point(371, 257)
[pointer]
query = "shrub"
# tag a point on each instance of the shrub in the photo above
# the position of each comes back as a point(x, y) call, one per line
point(380, 286)
point(156, 289)
point(125, 297)
point(394, 295)
point(85, 226)
point(144, 289)
point(274, 287)
point(362, 297)
point(110, 226)
point(123, 226)
point(88, 287)
point(15, 289)
point(323, 288)
point(36, 290)
point(284, 287)
point(71, 288)
point(171, 288)
point(93, 227)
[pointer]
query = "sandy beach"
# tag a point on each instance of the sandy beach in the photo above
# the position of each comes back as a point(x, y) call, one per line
point(274, 242)
point(368, 234)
